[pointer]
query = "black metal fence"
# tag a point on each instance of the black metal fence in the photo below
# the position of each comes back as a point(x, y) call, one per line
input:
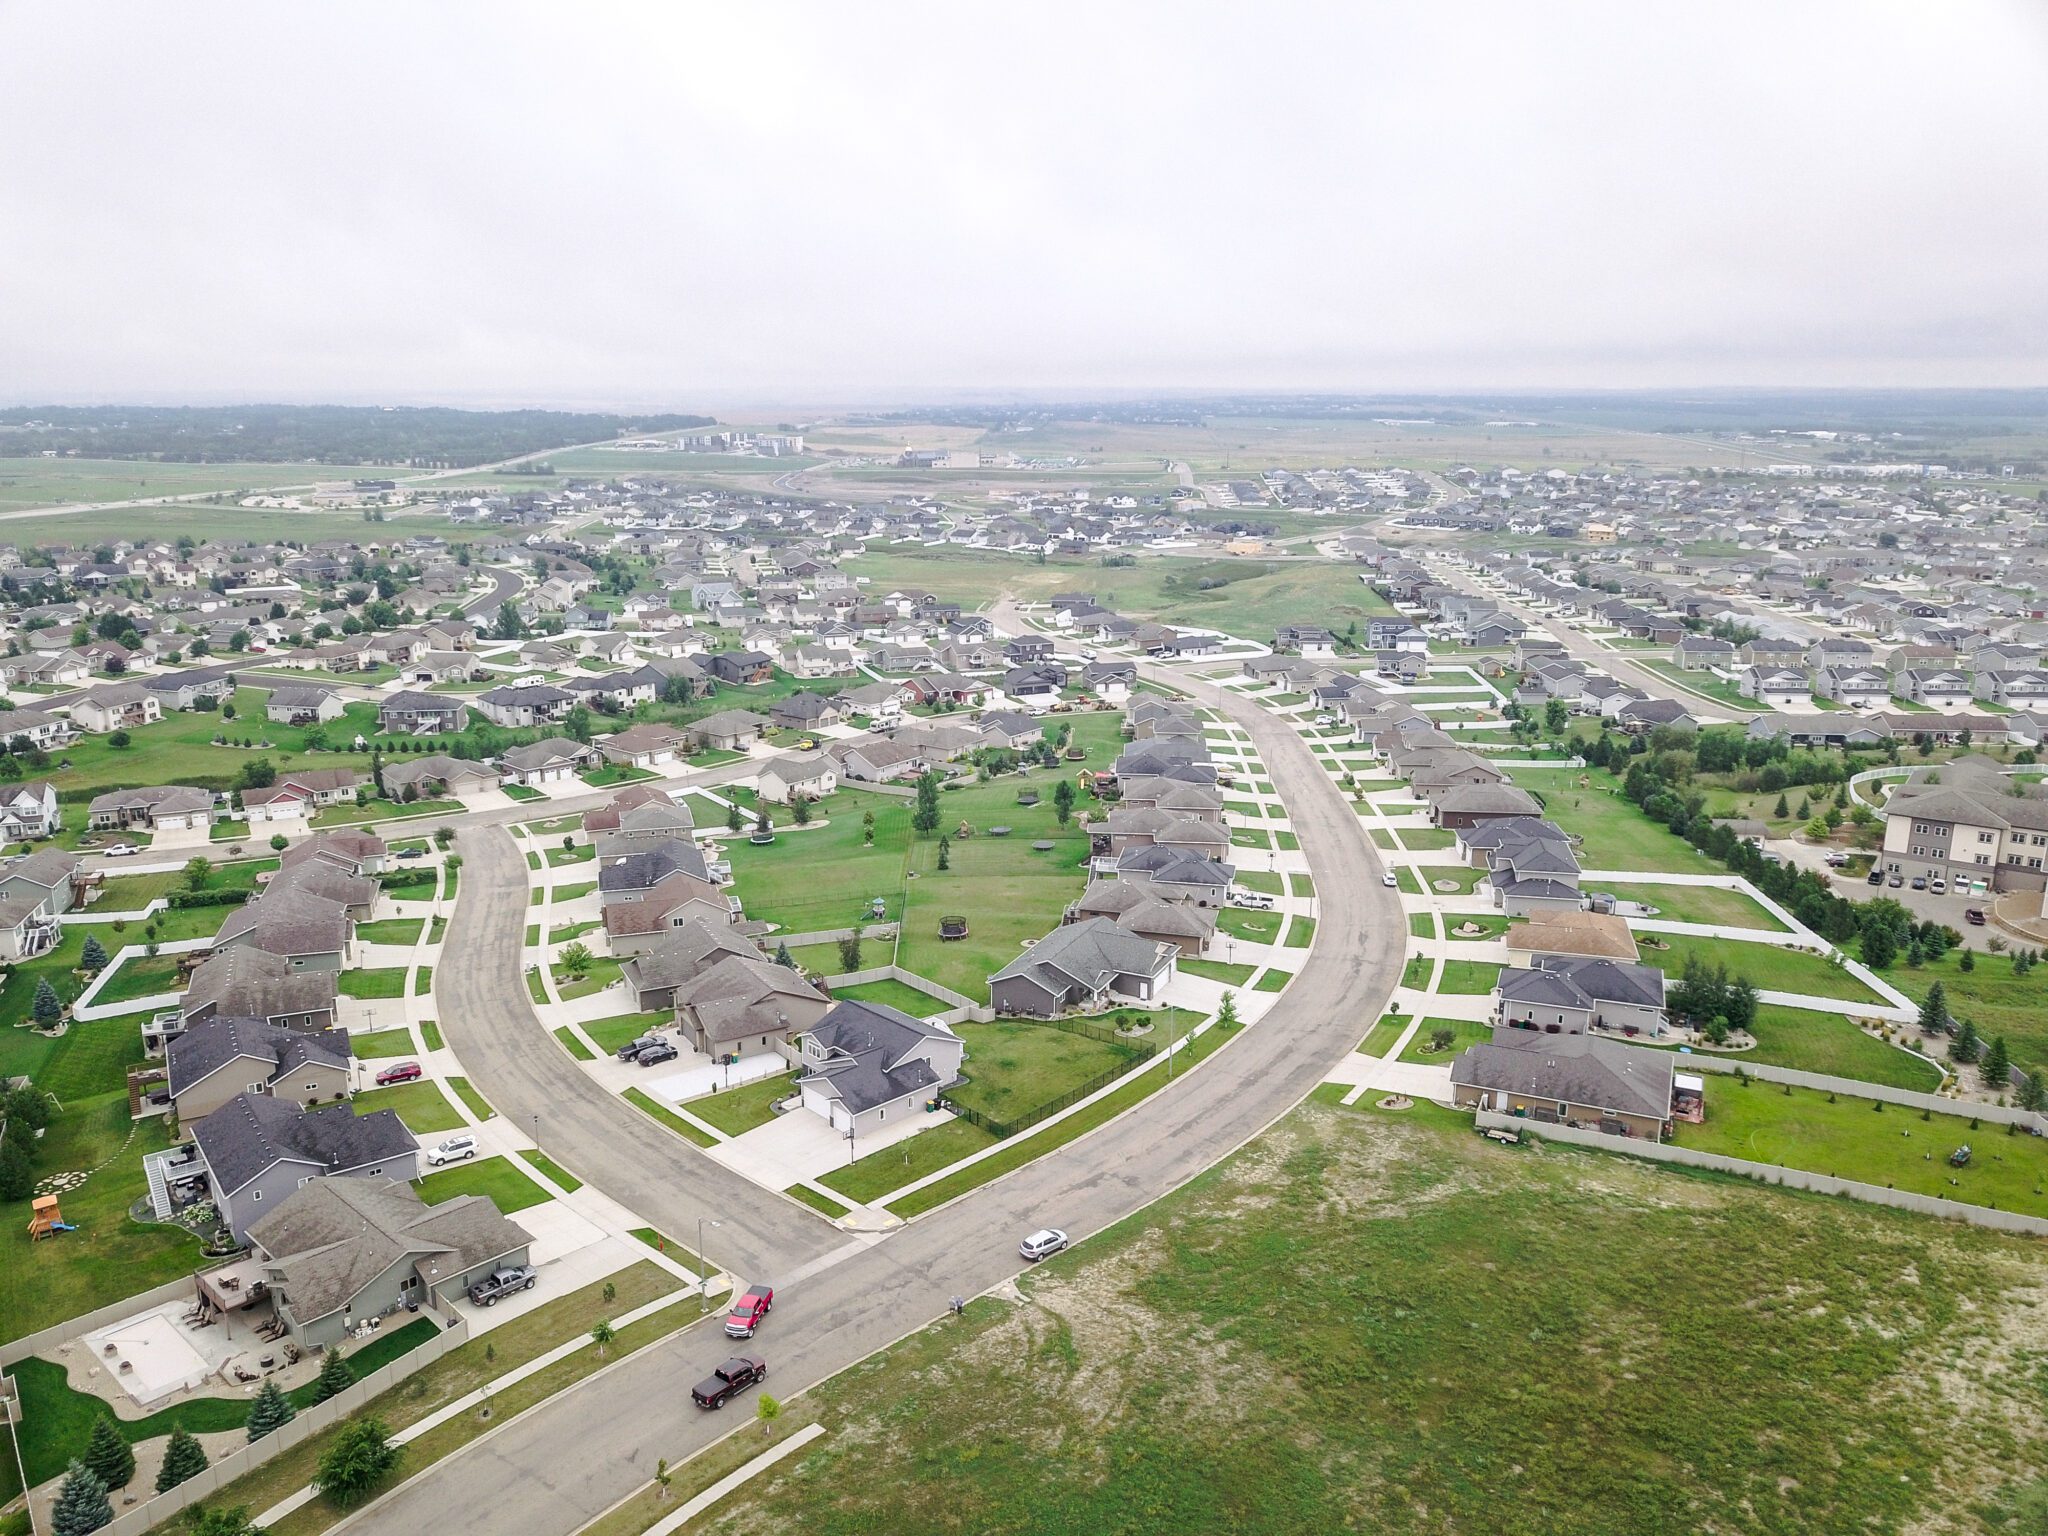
point(1136, 1054)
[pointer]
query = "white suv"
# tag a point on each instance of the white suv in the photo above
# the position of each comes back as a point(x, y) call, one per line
point(454, 1150)
point(1043, 1244)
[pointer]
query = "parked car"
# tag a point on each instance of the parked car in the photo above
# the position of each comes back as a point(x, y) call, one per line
point(1896, 880)
point(1837, 859)
point(1919, 882)
point(409, 853)
point(455, 1149)
point(631, 1050)
point(1042, 1244)
point(1938, 885)
point(656, 1054)
point(400, 1072)
point(502, 1282)
point(1387, 879)
point(119, 850)
point(736, 1375)
point(1257, 900)
point(1974, 916)
point(748, 1310)
point(1875, 877)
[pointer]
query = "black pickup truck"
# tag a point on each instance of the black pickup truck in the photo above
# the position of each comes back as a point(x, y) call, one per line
point(736, 1375)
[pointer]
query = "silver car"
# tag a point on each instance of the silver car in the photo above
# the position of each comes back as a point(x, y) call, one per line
point(1042, 1244)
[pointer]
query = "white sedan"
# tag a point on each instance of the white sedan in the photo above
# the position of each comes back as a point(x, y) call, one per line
point(1387, 879)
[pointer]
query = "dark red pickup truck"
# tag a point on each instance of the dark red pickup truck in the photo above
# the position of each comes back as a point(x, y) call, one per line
point(736, 1375)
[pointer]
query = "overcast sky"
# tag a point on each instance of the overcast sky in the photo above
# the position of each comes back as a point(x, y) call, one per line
point(713, 206)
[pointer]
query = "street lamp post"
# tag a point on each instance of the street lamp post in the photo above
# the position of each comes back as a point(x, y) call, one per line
point(536, 1133)
point(703, 1274)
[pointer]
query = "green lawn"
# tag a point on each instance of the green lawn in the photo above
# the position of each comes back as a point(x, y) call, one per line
point(1769, 967)
point(1990, 996)
point(392, 930)
point(653, 1108)
point(1272, 981)
point(600, 973)
point(738, 1110)
point(1407, 879)
point(430, 1034)
point(1851, 1139)
point(610, 1034)
point(563, 1178)
point(1700, 904)
point(1217, 970)
point(1386, 1029)
point(422, 1106)
point(582, 853)
point(573, 1044)
point(1013, 1065)
point(1812, 1041)
point(562, 895)
point(498, 1177)
point(1336, 1289)
point(388, 982)
point(823, 1204)
point(1464, 1032)
point(140, 976)
point(1252, 926)
point(1462, 878)
point(1468, 976)
point(895, 994)
point(1492, 925)
point(1426, 839)
point(873, 1175)
point(1617, 835)
point(474, 1101)
point(1301, 932)
point(1261, 881)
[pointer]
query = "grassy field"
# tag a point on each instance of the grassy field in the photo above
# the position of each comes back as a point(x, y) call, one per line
point(1811, 1041)
point(1464, 1032)
point(38, 482)
point(1700, 904)
point(1851, 1139)
point(1617, 834)
point(870, 1176)
point(738, 1110)
point(497, 1177)
point(892, 993)
point(1769, 967)
point(422, 1106)
point(1014, 1065)
point(1312, 1337)
point(1990, 996)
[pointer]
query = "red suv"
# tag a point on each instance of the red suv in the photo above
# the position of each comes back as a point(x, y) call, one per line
point(748, 1310)
point(404, 1072)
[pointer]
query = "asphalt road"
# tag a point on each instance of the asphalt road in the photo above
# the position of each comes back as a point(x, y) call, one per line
point(551, 1471)
point(507, 585)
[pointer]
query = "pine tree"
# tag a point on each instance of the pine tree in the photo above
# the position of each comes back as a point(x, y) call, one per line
point(1966, 961)
point(269, 1410)
point(1966, 1045)
point(184, 1459)
point(1997, 1064)
point(945, 853)
point(335, 1376)
point(1880, 946)
point(783, 957)
point(1782, 809)
point(82, 1505)
point(2032, 1094)
point(48, 1007)
point(94, 956)
point(107, 1456)
point(733, 820)
point(1934, 1011)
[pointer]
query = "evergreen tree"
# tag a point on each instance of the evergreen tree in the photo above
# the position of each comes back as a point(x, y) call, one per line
point(1997, 1064)
point(1966, 961)
point(335, 1376)
point(48, 1008)
point(783, 957)
point(1880, 946)
point(269, 1410)
point(82, 1504)
point(800, 809)
point(1934, 1011)
point(184, 1459)
point(357, 1459)
point(2032, 1094)
point(1783, 808)
point(945, 853)
point(1966, 1045)
point(1063, 800)
point(733, 819)
point(925, 819)
point(107, 1456)
point(94, 956)
point(17, 1172)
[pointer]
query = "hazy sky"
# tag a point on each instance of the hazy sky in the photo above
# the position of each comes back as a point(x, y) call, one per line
point(721, 205)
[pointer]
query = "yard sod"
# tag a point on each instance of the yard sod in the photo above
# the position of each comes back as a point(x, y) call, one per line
point(1812, 1041)
point(1492, 925)
point(562, 895)
point(423, 981)
point(564, 1180)
point(1768, 966)
point(1408, 880)
point(895, 994)
point(599, 974)
point(474, 1101)
point(498, 1177)
point(1617, 834)
point(392, 930)
point(1464, 1032)
point(1261, 881)
point(582, 853)
point(382, 1043)
point(1301, 885)
point(1852, 1138)
point(422, 1106)
point(1253, 926)
point(1426, 839)
point(1699, 904)
point(573, 1045)
point(1381, 1037)
point(388, 982)
point(871, 1176)
point(1468, 976)
point(609, 1034)
point(1462, 878)
point(651, 1107)
point(139, 976)
point(1272, 981)
point(1013, 1065)
point(1301, 932)
point(430, 1034)
point(825, 1205)
point(1217, 970)
point(736, 1111)
point(1762, 1357)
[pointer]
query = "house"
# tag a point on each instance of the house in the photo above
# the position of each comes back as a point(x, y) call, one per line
point(34, 892)
point(412, 713)
point(338, 1253)
point(1702, 653)
point(116, 707)
point(654, 973)
point(1641, 715)
point(813, 775)
point(1082, 967)
point(1184, 872)
point(863, 1061)
point(877, 760)
point(806, 711)
point(255, 1150)
point(29, 810)
point(216, 1059)
point(247, 982)
point(1939, 687)
point(1036, 688)
point(294, 705)
point(160, 808)
point(2023, 689)
point(1304, 640)
point(1468, 805)
point(1570, 994)
point(730, 730)
point(525, 704)
point(646, 746)
point(192, 687)
point(1776, 687)
point(1574, 933)
point(1577, 1080)
point(742, 1005)
point(349, 850)
point(1110, 681)
point(21, 728)
point(1966, 830)
point(740, 668)
point(555, 760)
point(1137, 908)
point(427, 778)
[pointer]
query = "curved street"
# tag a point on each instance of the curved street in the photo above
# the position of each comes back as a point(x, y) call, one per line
point(841, 1298)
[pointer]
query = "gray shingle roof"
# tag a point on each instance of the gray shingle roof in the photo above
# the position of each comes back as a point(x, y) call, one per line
point(253, 1131)
point(1580, 1070)
point(211, 1044)
point(867, 1043)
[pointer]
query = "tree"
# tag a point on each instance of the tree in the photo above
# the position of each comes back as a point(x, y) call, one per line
point(1226, 1011)
point(2033, 1094)
point(768, 1410)
point(48, 1010)
point(577, 723)
point(198, 870)
point(1817, 828)
point(94, 956)
point(184, 1459)
point(269, 1410)
point(602, 1334)
point(762, 825)
point(733, 820)
point(925, 819)
point(800, 809)
point(257, 773)
point(849, 952)
point(17, 1171)
point(1782, 809)
point(1063, 801)
point(82, 1504)
point(945, 853)
point(108, 1456)
point(662, 1478)
point(576, 959)
point(1997, 1066)
point(510, 625)
point(1556, 715)
point(120, 741)
point(783, 957)
point(1934, 1010)
point(1966, 961)
point(359, 1457)
point(238, 642)
point(1880, 947)
point(867, 829)
point(279, 842)
point(1966, 1046)
point(335, 1376)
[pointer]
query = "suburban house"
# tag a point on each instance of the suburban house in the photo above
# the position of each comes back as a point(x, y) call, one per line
point(337, 1253)
point(37, 728)
point(1468, 805)
point(29, 810)
point(2024, 689)
point(1776, 687)
point(1570, 994)
point(300, 793)
point(811, 774)
point(861, 1061)
point(525, 704)
point(646, 746)
point(216, 1059)
point(436, 775)
point(806, 711)
point(1083, 967)
point(292, 704)
point(1577, 1080)
point(308, 931)
point(654, 973)
point(160, 808)
point(247, 982)
point(556, 760)
point(730, 730)
point(34, 891)
point(743, 1004)
point(256, 1149)
point(116, 707)
point(411, 713)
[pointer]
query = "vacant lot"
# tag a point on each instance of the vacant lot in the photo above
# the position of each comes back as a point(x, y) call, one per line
point(1771, 968)
point(1990, 996)
point(1699, 904)
point(1317, 1336)
point(1014, 1065)
point(1617, 835)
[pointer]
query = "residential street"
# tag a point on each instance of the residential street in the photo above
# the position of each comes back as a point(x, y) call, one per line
point(840, 1299)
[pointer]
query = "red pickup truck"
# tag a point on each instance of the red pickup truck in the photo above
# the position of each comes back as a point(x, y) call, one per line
point(748, 1310)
